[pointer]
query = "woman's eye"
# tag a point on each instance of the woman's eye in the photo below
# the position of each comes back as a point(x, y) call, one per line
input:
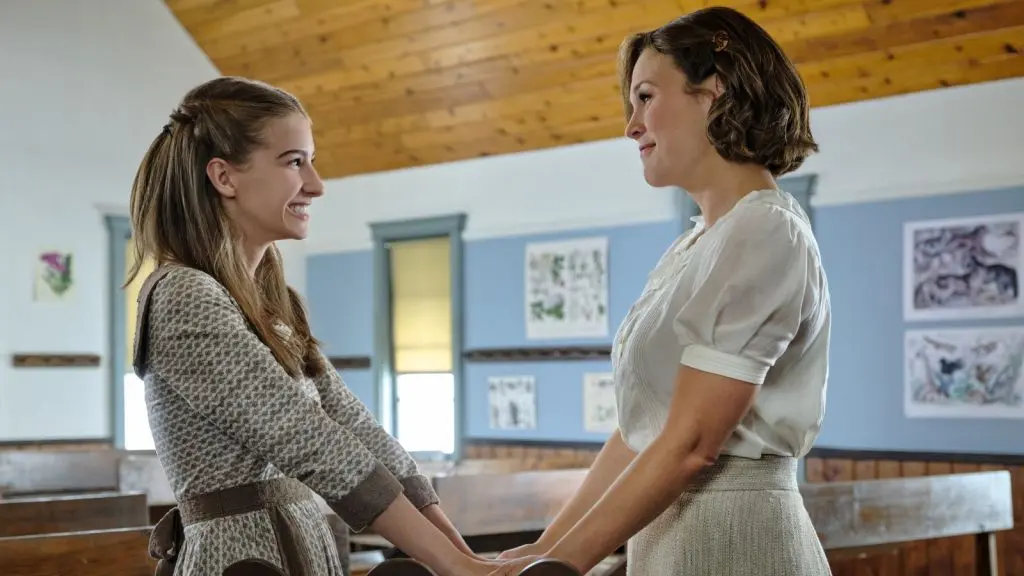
point(643, 97)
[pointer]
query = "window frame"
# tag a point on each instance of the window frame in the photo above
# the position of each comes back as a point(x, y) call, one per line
point(119, 233)
point(382, 363)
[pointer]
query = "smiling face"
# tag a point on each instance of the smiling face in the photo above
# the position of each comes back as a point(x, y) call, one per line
point(267, 198)
point(668, 123)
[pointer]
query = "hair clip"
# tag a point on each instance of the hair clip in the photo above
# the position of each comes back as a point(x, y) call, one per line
point(167, 129)
point(721, 40)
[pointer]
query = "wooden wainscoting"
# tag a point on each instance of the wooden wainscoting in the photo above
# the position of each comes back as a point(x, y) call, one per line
point(941, 557)
point(530, 455)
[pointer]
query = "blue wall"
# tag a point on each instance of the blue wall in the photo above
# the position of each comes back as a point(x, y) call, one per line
point(339, 292)
point(340, 295)
point(495, 295)
point(862, 248)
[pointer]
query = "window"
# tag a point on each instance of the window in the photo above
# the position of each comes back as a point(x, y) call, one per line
point(129, 418)
point(426, 412)
point(421, 340)
point(418, 333)
point(137, 435)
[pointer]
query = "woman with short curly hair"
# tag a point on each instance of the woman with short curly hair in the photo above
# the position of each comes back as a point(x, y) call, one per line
point(721, 365)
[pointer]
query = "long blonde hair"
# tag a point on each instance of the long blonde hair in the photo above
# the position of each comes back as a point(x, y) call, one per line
point(177, 216)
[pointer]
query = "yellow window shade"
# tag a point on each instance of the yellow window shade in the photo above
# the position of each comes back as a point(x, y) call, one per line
point(421, 305)
point(131, 294)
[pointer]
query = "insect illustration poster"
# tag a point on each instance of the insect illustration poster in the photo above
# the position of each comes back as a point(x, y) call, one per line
point(513, 402)
point(600, 412)
point(963, 268)
point(964, 373)
point(567, 289)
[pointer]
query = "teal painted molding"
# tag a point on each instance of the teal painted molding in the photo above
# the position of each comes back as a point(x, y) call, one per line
point(801, 187)
point(119, 232)
point(383, 364)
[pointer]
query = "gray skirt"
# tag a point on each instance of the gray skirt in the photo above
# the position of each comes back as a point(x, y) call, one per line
point(741, 517)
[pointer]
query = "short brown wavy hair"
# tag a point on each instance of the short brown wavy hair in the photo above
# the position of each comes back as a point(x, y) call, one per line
point(763, 114)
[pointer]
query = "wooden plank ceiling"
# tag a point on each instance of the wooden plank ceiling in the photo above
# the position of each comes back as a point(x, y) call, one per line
point(399, 83)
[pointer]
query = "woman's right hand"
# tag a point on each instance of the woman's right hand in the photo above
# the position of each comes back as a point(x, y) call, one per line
point(468, 566)
point(532, 549)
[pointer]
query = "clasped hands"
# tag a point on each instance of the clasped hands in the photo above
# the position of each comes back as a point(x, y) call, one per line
point(513, 561)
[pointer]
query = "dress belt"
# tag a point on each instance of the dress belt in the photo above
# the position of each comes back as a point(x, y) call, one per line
point(169, 533)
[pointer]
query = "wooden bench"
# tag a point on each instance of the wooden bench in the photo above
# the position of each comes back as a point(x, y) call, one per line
point(25, 472)
point(25, 516)
point(121, 552)
point(867, 517)
point(858, 517)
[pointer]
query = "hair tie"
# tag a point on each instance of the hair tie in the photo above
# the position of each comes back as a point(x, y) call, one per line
point(167, 129)
point(721, 40)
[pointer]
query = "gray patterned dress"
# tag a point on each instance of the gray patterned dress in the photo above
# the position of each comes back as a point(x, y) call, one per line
point(224, 414)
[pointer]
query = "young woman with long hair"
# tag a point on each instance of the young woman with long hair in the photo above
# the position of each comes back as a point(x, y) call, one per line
point(248, 416)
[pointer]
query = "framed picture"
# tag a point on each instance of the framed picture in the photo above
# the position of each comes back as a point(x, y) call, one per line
point(964, 373)
point(513, 402)
point(600, 410)
point(963, 268)
point(567, 289)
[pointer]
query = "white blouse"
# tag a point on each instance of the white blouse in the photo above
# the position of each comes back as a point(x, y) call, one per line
point(746, 298)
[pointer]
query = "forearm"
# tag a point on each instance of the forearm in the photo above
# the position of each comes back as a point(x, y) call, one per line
point(614, 457)
point(343, 407)
point(413, 533)
point(655, 479)
point(437, 517)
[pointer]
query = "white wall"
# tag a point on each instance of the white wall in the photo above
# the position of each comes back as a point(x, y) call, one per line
point(937, 142)
point(87, 85)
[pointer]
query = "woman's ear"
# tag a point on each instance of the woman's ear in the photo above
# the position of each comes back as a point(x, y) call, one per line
point(219, 173)
point(710, 89)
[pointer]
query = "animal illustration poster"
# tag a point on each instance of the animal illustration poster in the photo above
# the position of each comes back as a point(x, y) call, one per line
point(600, 412)
point(513, 402)
point(54, 277)
point(964, 373)
point(567, 289)
point(963, 268)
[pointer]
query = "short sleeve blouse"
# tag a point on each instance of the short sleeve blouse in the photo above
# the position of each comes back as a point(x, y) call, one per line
point(746, 298)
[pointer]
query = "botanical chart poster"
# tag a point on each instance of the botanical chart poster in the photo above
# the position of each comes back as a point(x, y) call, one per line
point(513, 401)
point(963, 268)
point(599, 407)
point(567, 289)
point(54, 278)
point(964, 373)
